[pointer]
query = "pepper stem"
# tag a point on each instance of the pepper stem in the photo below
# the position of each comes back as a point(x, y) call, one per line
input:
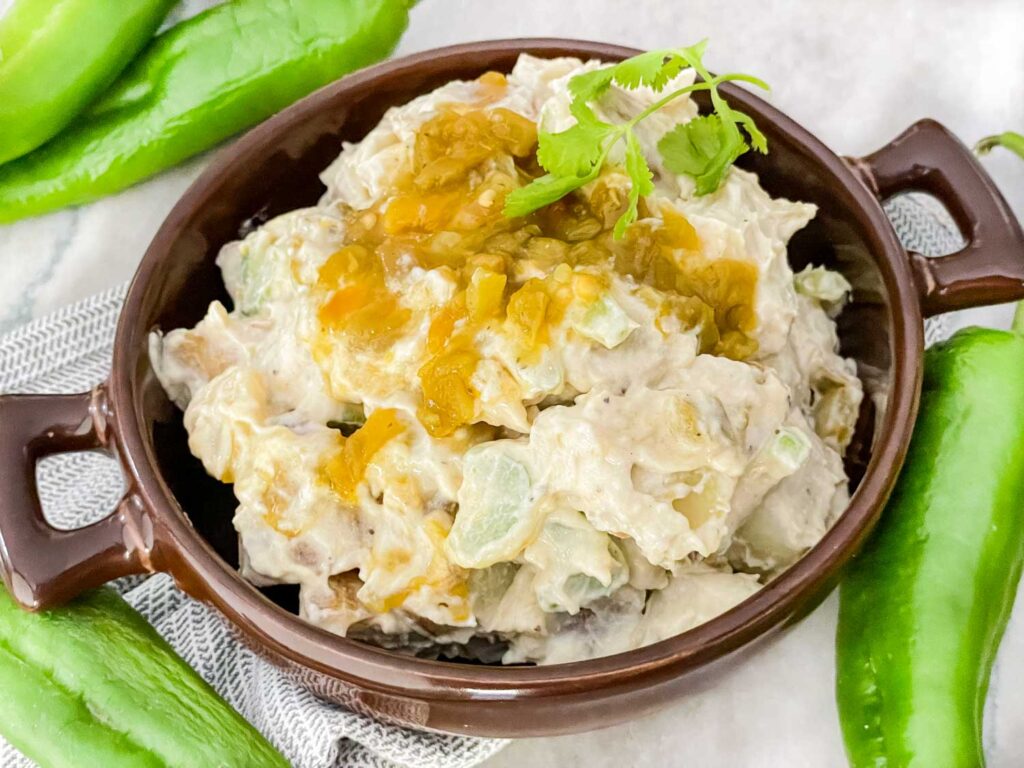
point(1018, 319)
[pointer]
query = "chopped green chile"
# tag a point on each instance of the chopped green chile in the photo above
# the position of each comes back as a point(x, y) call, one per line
point(605, 322)
point(833, 411)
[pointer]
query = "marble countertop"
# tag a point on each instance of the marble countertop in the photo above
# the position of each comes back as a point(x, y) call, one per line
point(856, 74)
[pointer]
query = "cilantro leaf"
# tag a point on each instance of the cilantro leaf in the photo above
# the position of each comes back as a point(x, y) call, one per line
point(587, 87)
point(757, 139)
point(654, 69)
point(573, 152)
point(642, 182)
point(543, 191)
point(694, 54)
point(689, 148)
point(704, 148)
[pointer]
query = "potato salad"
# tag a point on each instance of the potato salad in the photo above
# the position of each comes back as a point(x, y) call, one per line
point(522, 439)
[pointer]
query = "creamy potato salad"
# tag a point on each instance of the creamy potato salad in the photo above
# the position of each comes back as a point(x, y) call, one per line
point(520, 438)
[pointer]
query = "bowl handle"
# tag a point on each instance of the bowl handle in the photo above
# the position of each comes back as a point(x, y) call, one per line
point(41, 565)
point(989, 269)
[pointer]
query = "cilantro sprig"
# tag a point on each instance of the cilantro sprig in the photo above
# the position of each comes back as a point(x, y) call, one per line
point(703, 148)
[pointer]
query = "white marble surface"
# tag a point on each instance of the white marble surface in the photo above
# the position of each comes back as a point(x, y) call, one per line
point(854, 73)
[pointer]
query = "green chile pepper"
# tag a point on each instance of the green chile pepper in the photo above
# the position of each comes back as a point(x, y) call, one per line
point(56, 56)
point(93, 684)
point(922, 609)
point(1012, 141)
point(197, 84)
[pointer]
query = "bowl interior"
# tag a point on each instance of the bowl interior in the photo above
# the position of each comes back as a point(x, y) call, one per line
point(275, 169)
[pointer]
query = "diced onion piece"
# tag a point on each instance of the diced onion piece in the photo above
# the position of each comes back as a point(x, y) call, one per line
point(254, 276)
point(822, 284)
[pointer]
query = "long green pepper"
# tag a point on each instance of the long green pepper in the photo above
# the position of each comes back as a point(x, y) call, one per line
point(1009, 139)
point(922, 609)
point(198, 83)
point(56, 56)
point(92, 684)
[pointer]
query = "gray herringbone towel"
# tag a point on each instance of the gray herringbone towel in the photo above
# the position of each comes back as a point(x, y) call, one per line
point(69, 351)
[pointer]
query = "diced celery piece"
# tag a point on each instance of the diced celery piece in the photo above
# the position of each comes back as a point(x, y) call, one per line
point(254, 285)
point(579, 590)
point(496, 518)
point(783, 454)
point(605, 322)
point(576, 564)
point(787, 451)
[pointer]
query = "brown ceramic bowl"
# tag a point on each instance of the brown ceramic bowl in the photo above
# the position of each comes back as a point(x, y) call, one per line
point(174, 518)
